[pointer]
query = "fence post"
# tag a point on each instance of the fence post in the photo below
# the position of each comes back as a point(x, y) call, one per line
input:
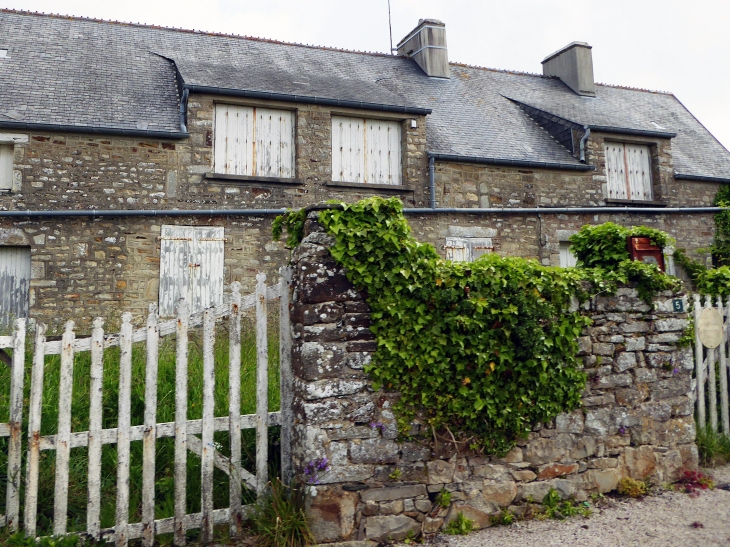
point(234, 409)
point(699, 365)
point(208, 449)
point(34, 430)
point(285, 373)
point(124, 422)
point(711, 381)
point(12, 505)
point(723, 369)
point(63, 436)
point(262, 385)
point(150, 429)
point(181, 421)
point(93, 510)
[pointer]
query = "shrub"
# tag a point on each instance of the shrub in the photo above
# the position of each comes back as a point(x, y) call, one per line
point(632, 488)
point(693, 482)
point(714, 447)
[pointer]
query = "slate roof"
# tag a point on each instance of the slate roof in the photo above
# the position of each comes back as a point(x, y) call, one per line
point(84, 72)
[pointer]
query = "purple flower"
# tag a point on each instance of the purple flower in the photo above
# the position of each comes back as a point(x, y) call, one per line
point(622, 430)
point(675, 371)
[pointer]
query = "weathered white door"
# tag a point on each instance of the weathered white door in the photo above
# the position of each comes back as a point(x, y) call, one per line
point(14, 283)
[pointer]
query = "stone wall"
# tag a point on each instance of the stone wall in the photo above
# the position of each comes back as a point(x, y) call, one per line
point(635, 421)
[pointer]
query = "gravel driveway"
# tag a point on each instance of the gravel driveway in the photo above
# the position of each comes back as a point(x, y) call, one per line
point(664, 520)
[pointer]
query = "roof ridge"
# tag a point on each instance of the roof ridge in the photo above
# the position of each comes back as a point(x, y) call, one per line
point(193, 31)
point(642, 89)
point(501, 70)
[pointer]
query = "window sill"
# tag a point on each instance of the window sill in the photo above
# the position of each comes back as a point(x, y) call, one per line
point(248, 179)
point(637, 202)
point(395, 188)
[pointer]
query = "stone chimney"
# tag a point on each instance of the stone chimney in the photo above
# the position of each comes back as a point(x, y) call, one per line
point(426, 44)
point(574, 65)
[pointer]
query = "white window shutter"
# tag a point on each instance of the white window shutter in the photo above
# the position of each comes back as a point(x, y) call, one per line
point(348, 149)
point(458, 249)
point(274, 143)
point(639, 173)
point(615, 170)
point(383, 152)
point(234, 138)
point(6, 166)
point(191, 267)
point(567, 258)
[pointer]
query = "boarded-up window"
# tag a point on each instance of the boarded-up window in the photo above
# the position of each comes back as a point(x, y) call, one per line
point(6, 166)
point(366, 151)
point(628, 170)
point(467, 249)
point(191, 267)
point(256, 142)
point(567, 258)
point(14, 283)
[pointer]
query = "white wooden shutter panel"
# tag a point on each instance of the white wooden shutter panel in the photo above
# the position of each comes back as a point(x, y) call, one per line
point(274, 143)
point(234, 140)
point(348, 151)
point(14, 283)
point(6, 166)
point(191, 267)
point(639, 171)
point(383, 152)
point(567, 258)
point(457, 249)
point(615, 170)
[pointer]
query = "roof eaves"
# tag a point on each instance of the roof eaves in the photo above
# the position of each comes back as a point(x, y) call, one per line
point(630, 131)
point(701, 178)
point(93, 129)
point(305, 99)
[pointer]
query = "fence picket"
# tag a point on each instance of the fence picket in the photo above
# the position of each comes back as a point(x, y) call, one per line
point(262, 385)
point(150, 429)
point(125, 399)
point(34, 430)
point(181, 416)
point(723, 370)
point(63, 449)
point(96, 408)
point(285, 374)
point(699, 372)
point(208, 449)
point(12, 504)
point(234, 410)
point(711, 381)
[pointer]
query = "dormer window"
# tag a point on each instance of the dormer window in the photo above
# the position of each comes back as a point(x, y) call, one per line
point(628, 171)
point(366, 151)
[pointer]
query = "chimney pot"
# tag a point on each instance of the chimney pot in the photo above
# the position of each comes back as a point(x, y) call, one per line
point(573, 64)
point(426, 44)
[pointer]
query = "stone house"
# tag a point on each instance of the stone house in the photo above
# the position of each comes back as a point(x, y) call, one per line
point(142, 164)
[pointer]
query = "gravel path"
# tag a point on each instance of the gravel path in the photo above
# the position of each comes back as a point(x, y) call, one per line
point(664, 520)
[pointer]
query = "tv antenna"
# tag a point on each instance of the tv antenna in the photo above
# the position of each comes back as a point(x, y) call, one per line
point(390, 28)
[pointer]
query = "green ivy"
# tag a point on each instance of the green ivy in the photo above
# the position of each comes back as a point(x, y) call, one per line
point(293, 221)
point(721, 245)
point(484, 349)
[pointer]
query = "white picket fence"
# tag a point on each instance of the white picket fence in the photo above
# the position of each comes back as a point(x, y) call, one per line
point(190, 435)
point(705, 384)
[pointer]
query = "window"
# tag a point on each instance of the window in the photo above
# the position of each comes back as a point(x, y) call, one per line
point(567, 258)
point(6, 167)
point(467, 249)
point(255, 142)
point(628, 171)
point(191, 267)
point(14, 283)
point(366, 151)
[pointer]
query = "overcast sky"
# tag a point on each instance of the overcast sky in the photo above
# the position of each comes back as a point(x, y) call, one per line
point(680, 46)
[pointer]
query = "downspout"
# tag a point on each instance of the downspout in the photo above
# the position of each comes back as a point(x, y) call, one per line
point(184, 110)
point(583, 140)
point(432, 181)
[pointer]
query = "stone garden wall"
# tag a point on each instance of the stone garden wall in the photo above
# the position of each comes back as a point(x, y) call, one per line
point(636, 419)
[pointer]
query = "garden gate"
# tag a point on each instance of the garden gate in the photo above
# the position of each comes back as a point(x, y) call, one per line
point(711, 364)
point(189, 435)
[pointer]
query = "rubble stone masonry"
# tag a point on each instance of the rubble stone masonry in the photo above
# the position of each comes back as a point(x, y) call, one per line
point(635, 419)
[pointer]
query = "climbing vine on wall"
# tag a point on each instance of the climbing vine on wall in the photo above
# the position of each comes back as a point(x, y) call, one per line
point(483, 349)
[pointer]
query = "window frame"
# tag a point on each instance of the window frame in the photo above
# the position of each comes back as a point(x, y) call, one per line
point(253, 154)
point(623, 189)
point(365, 164)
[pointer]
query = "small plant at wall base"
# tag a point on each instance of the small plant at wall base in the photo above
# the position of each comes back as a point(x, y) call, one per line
point(484, 350)
point(460, 526)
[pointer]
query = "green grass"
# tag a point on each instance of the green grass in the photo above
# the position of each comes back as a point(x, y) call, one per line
point(77, 500)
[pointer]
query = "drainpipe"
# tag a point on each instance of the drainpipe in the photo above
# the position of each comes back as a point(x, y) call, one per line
point(583, 140)
point(184, 110)
point(432, 181)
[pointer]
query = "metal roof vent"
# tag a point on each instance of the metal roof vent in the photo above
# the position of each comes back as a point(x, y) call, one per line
point(426, 44)
point(574, 65)
point(3, 53)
